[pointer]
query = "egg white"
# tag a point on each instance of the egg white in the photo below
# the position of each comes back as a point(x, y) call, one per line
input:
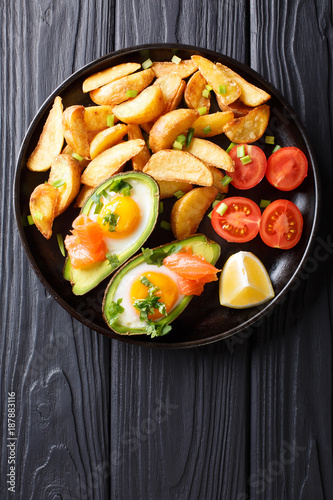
point(130, 317)
point(141, 194)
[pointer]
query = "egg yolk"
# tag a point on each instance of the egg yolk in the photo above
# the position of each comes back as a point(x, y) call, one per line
point(120, 217)
point(168, 291)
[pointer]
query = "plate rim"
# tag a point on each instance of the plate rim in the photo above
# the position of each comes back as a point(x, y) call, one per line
point(136, 340)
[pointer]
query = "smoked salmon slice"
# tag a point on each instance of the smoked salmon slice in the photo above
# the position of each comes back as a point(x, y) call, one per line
point(193, 272)
point(86, 245)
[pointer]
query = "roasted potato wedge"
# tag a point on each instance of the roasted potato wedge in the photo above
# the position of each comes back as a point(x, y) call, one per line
point(65, 169)
point(146, 107)
point(107, 138)
point(169, 188)
point(172, 87)
point(188, 211)
point(211, 154)
point(215, 121)
point(139, 160)
point(50, 141)
point(69, 151)
point(166, 129)
point(216, 77)
point(42, 204)
point(109, 75)
point(180, 166)
point(110, 162)
point(96, 117)
point(238, 108)
point(250, 94)
point(193, 92)
point(217, 179)
point(83, 195)
point(250, 127)
point(116, 92)
point(184, 69)
point(75, 131)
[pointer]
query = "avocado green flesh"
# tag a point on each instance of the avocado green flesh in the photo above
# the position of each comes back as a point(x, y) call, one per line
point(88, 277)
point(200, 245)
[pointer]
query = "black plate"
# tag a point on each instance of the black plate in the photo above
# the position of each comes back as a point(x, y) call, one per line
point(204, 320)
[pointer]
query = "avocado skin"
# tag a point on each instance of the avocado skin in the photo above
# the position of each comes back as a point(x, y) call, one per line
point(199, 243)
point(85, 279)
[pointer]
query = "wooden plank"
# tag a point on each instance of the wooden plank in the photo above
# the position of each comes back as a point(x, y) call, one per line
point(179, 420)
point(57, 368)
point(291, 438)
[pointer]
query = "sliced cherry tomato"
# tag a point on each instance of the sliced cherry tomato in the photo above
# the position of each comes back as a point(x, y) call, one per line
point(249, 175)
point(287, 168)
point(281, 224)
point(240, 222)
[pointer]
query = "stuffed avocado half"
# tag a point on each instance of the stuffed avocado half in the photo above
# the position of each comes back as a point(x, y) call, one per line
point(126, 209)
point(152, 289)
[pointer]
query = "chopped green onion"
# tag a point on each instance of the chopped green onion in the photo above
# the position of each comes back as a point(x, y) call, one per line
point(276, 148)
point(246, 159)
point(161, 207)
point(220, 196)
point(106, 195)
point(61, 244)
point(208, 87)
point(215, 202)
point(38, 215)
point(178, 194)
point(165, 225)
point(30, 220)
point(206, 130)
point(110, 120)
point(210, 214)
point(269, 139)
point(77, 156)
point(131, 93)
point(202, 111)
point(240, 151)
point(226, 180)
point(176, 59)
point(205, 93)
point(177, 145)
point(189, 136)
point(182, 139)
point(58, 183)
point(231, 145)
point(264, 203)
point(147, 63)
point(222, 208)
point(148, 145)
point(222, 89)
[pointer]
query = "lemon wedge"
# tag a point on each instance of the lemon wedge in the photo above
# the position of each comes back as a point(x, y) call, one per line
point(244, 282)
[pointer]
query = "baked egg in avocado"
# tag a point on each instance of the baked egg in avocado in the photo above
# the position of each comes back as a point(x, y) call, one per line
point(152, 289)
point(114, 223)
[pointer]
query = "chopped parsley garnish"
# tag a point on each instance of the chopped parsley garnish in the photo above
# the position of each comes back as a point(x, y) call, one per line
point(113, 259)
point(114, 310)
point(156, 256)
point(111, 219)
point(151, 302)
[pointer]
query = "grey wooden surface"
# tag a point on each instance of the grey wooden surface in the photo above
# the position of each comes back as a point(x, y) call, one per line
point(249, 417)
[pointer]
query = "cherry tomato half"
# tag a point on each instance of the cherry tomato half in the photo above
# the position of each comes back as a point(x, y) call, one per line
point(249, 175)
point(287, 168)
point(240, 222)
point(281, 224)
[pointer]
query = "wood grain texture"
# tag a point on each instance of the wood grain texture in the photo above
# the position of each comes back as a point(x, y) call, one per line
point(249, 417)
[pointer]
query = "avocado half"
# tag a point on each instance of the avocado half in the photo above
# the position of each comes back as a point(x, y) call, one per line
point(199, 244)
point(86, 278)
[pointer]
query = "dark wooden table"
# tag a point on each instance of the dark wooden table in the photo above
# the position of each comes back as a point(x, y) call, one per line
point(248, 417)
